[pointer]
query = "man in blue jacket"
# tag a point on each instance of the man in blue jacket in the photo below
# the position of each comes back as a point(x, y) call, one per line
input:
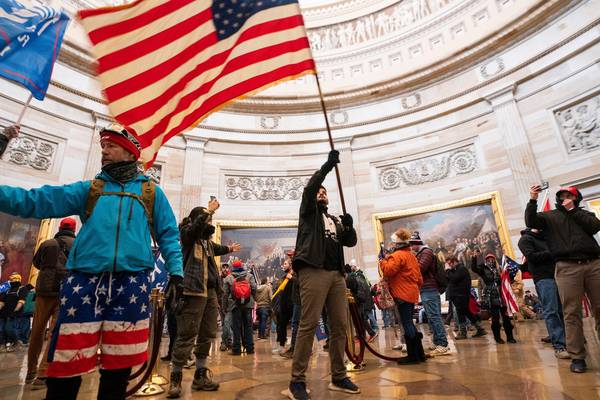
point(104, 299)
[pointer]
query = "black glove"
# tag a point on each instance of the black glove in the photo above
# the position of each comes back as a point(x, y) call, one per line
point(347, 220)
point(174, 291)
point(334, 157)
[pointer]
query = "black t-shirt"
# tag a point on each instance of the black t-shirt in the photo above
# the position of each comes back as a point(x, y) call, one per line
point(332, 245)
point(10, 300)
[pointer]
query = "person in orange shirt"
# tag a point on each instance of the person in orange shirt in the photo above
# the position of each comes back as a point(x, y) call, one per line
point(401, 270)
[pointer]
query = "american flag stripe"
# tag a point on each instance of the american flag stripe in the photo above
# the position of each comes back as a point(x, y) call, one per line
point(167, 64)
point(73, 354)
point(129, 337)
point(112, 361)
point(77, 341)
point(190, 87)
point(190, 63)
point(65, 369)
point(125, 349)
point(123, 25)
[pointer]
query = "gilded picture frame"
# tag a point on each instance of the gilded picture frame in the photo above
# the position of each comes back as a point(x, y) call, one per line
point(492, 199)
point(264, 243)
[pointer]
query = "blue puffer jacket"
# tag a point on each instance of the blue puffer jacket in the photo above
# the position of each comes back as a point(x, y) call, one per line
point(117, 235)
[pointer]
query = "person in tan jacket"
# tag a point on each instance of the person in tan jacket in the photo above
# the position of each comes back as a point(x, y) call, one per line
point(401, 269)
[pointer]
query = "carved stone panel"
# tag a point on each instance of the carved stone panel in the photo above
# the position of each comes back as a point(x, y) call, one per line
point(429, 169)
point(579, 125)
point(240, 187)
point(31, 151)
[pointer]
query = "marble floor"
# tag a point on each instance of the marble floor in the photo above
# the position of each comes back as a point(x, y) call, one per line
point(477, 369)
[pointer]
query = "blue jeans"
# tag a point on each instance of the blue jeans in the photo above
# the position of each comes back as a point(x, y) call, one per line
point(8, 332)
point(406, 317)
point(263, 316)
point(226, 335)
point(23, 327)
point(296, 313)
point(430, 298)
point(387, 314)
point(553, 315)
point(241, 323)
point(373, 320)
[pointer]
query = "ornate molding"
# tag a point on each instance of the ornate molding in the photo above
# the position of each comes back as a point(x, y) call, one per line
point(579, 125)
point(31, 151)
point(429, 169)
point(243, 187)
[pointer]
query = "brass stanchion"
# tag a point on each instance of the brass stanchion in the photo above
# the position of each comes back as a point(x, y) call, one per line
point(152, 386)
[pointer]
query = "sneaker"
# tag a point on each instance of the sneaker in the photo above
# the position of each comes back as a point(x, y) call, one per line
point(345, 385)
point(578, 366)
point(440, 351)
point(371, 338)
point(401, 347)
point(203, 380)
point(562, 354)
point(278, 350)
point(9, 348)
point(38, 384)
point(297, 391)
point(432, 347)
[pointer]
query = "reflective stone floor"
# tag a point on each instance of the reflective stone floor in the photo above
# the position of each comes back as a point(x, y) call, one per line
point(477, 369)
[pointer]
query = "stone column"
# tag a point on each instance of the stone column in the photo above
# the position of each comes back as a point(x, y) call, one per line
point(346, 167)
point(516, 143)
point(192, 173)
point(94, 161)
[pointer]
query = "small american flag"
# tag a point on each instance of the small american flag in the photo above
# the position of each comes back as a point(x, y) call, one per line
point(508, 296)
point(165, 65)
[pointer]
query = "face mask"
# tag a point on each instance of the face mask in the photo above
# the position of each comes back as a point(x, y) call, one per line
point(394, 238)
point(208, 232)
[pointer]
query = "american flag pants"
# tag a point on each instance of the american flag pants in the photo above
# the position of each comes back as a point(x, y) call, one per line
point(107, 311)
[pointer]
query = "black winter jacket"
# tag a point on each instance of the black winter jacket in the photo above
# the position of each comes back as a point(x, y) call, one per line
point(50, 259)
point(540, 261)
point(490, 275)
point(199, 264)
point(569, 234)
point(459, 282)
point(310, 242)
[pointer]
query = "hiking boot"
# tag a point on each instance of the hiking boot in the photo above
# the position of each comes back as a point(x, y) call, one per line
point(412, 351)
point(480, 331)
point(203, 380)
point(289, 353)
point(344, 385)
point(175, 385)
point(297, 391)
point(562, 354)
point(578, 366)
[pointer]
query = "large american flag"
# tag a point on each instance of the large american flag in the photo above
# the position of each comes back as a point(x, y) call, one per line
point(165, 65)
point(508, 296)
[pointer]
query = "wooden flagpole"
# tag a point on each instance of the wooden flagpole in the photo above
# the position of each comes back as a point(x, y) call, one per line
point(25, 107)
point(324, 109)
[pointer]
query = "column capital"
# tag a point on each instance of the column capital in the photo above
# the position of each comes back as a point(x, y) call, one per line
point(344, 143)
point(502, 95)
point(194, 142)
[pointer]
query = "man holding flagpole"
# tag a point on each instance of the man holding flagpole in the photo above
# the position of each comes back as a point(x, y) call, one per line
point(570, 231)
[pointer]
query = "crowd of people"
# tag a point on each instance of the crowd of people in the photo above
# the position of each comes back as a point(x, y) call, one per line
point(93, 295)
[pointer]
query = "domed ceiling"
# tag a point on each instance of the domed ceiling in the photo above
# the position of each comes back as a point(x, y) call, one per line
point(367, 50)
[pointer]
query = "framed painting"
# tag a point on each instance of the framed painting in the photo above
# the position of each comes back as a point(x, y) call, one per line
point(19, 238)
point(455, 228)
point(264, 244)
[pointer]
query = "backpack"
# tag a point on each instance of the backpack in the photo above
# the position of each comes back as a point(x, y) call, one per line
point(241, 291)
point(363, 291)
point(63, 255)
point(440, 275)
point(146, 199)
point(385, 299)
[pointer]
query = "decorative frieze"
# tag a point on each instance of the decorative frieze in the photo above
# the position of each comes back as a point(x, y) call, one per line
point(388, 21)
point(429, 169)
point(579, 125)
point(241, 187)
point(31, 151)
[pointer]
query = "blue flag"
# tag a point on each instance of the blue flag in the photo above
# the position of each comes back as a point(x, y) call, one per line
point(30, 39)
point(159, 277)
